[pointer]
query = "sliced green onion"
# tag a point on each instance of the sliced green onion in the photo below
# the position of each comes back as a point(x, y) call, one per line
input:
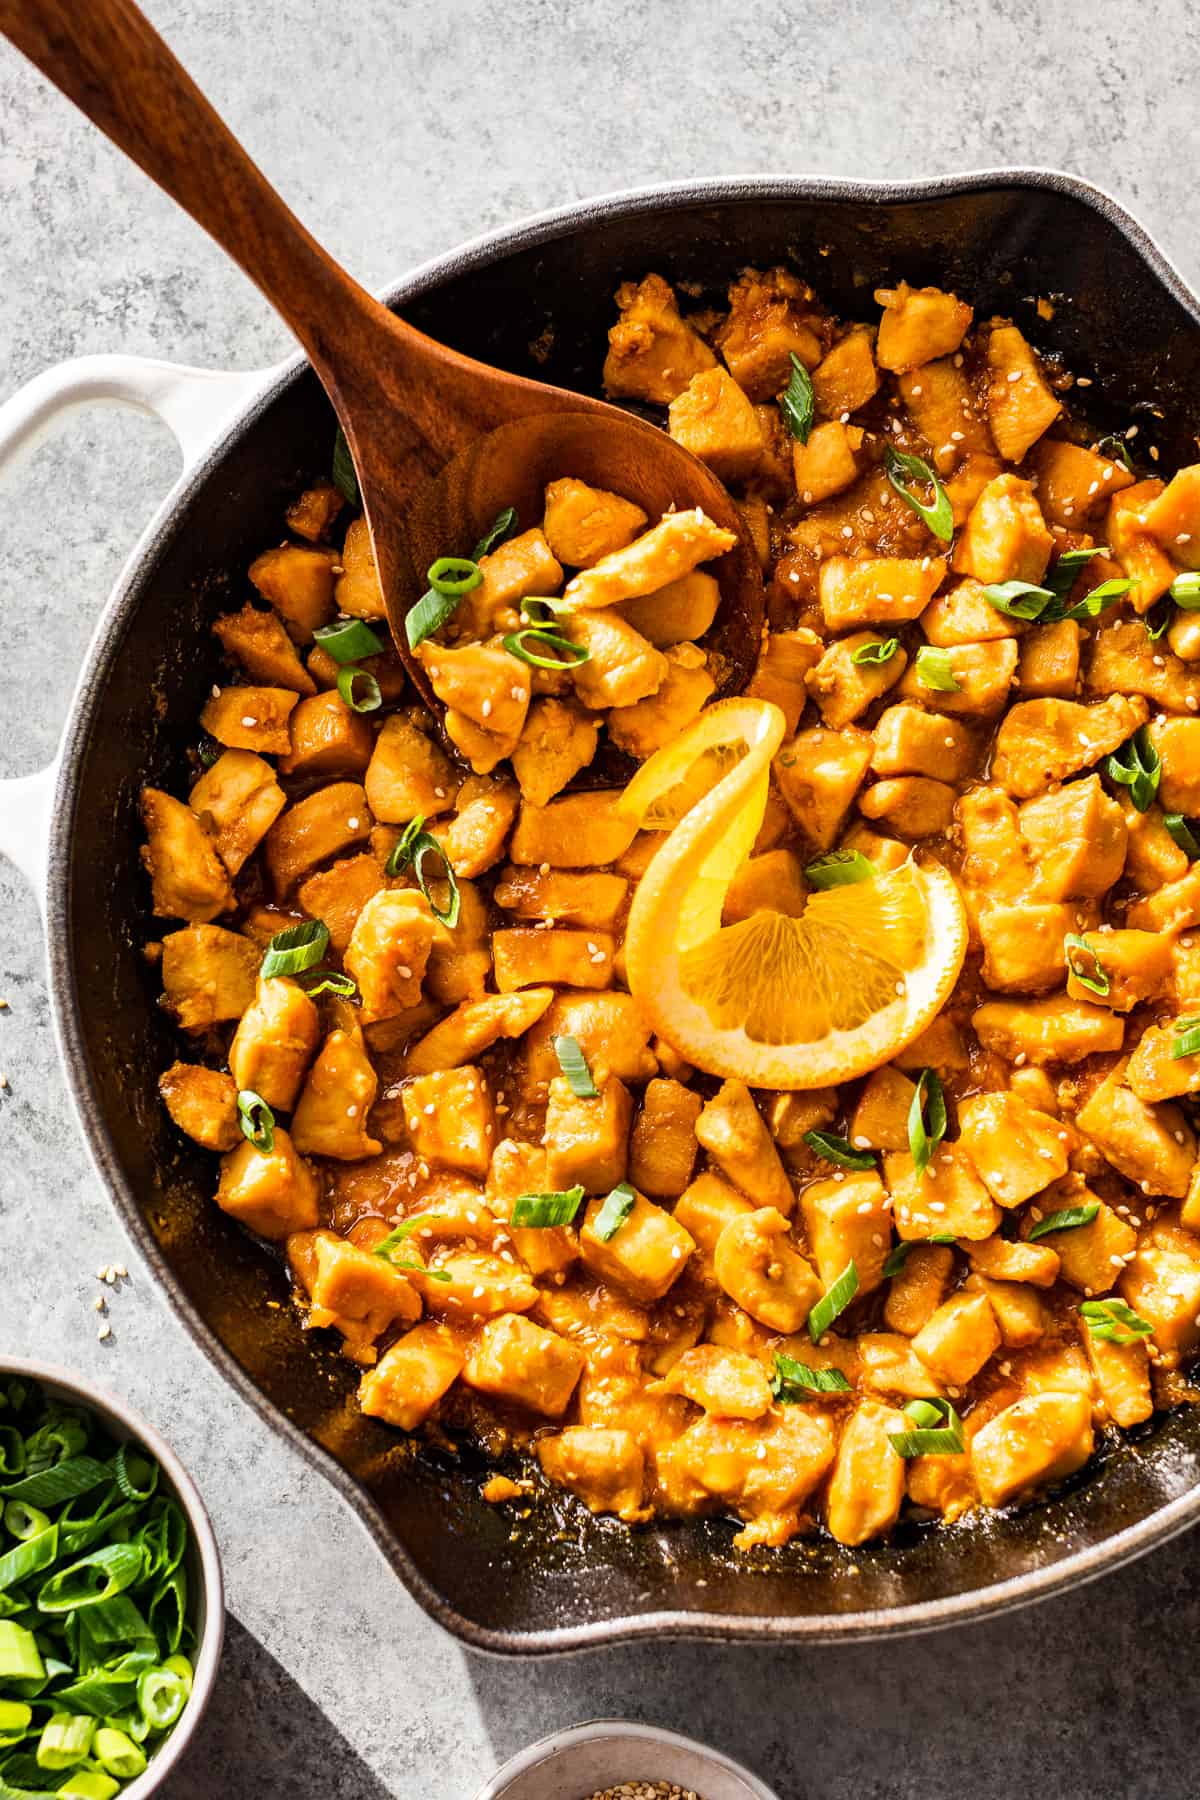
point(162, 1696)
point(1095, 602)
point(839, 1150)
point(349, 640)
point(66, 1739)
point(926, 1119)
point(1187, 1039)
point(880, 651)
point(95, 1578)
point(900, 467)
point(936, 670)
point(833, 1301)
point(392, 1241)
point(613, 1214)
point(798, 402)
point(299, 947)
point(1179, 829)
point(502, 526)
point(567, 653)
point(573, 1064)
point(78, 1475)
point(937, 1430)
point(1113, 1322)
point(1137, 766)
point(538, 1212)
point(1061, 578)
point(428, 615)
point(316, 982)
point(1067, 1220)
point(370, 697)
point(839, 868)
point(15, 1719)
point(900, 1254)
point(86, 1784)
point(1116, 450)
point(345, 480)
point(1018, 599)
point(256, 1121)
point(24, 1521)
point(1158, 620)
point(1185, 590)
point(792, 1380)
point(414, 846)
point(20, 1658)
point(117, 1753)
point(1094, 979)
point(137, 1476)
point(456, 575)
point(27, 1558)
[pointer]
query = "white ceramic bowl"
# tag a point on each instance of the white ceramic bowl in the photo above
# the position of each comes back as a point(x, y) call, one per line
point(206, 1589)
point(589, 1758)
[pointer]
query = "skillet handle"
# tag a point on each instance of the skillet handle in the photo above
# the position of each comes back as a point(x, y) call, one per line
point(196, 405)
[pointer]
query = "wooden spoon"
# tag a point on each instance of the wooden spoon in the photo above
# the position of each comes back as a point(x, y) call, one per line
point(406, 403)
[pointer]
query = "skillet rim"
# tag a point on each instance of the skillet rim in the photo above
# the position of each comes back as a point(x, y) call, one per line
point(1158, 1527)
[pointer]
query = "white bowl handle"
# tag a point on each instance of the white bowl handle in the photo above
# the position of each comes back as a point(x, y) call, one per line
point(196, 405)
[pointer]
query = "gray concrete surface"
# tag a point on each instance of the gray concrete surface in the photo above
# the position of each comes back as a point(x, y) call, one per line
point(396, 130)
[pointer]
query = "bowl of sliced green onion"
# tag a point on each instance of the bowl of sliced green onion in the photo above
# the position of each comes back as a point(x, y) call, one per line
point(112, 1607)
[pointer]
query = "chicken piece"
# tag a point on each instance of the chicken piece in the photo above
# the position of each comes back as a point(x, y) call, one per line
point(959, 1338)
point(848, 1219)
point(208, 975)
point(1017, 1151)
point(940, 401)
point(460, 961)
point(1020, 403)
point(963, 614)
point(910, 741)
point(298, 583)
point(1048, 664)
point(408, 776)
point(357, 1293)
point(662, 1149)
point(273, 1193)
point(576, 831)
point(1126, 661)
point(1173, 517)
point(622, 668)
point(880, 1119)
point(728, 1384)
point(1122, 1373)
point(520, 567)
point(843, 688)
point(1032, 1444)
point(388, 950)
point(609, 1029)
point(337, 895)
point(475, 837)
point(1139, 555)
point(1153, 1146)
point(521, 1363)
point(645, 1255)
point(1005, 537)
point(715, 420)
point(412, 1376)
point(1073, 483)
point(556, 742)
point(565, 898)
point(846, 377)
point(275, 1041)
point(329, 740)
point(1131, 966)
point(583, 524)
point(259, 642)
point(188, 879)
point(707, 1205)
point(681, 612)
point(940, 1046)
point(203, 1103)
point(948, 1197)
point(358, 591)
point(1005, 1259)
point(587, 1141)
point(773, 882)
point(602, 1465)
point(385, 666)
point(331, 1114)
point(486, 684)
point(731, 1128)
point(918, 1289)
point(764, 1469)
point(1044, 741)
point(529, 957)
point(251, 718)
point(791, 1115)
point(516, 1169)
point(867, 1486)
point(474, 1027)
point(919, 325)
point(982, 674)
point(877, 590)
point(652, 351)
point(312, 513)
point(826, 464)
point(1153, 858)
point(1162, 1285)
point(648, 724)
point(1077, 838)
point(1154, 1073)
point(995, 855)
point(784, 663)
point(770, 320)
point(1021, 1314)
point(756, 1265)
point(1047, 1031)
point(1173, 908)
point(238, 800)
point(672, 548)
point(1183, 636)
point(1178, 744)
point(819, 773)
point(1022, 944)
point(912, 806)
point(890, 1366)
point(311, 831)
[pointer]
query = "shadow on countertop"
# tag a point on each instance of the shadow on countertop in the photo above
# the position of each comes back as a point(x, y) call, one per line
point(264, 1739)
point(1090, 1693)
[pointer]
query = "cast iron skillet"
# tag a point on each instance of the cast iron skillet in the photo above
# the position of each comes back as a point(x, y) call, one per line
point(538, 299)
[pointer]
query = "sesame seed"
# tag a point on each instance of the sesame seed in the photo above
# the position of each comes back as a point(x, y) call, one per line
point(99, 1304)
point(105, 1331)
point(486, 709)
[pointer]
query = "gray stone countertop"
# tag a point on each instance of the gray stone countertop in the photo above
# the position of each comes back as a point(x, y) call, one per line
point(396, 131)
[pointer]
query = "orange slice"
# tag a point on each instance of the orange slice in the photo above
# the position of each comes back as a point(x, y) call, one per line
point(776, 1002)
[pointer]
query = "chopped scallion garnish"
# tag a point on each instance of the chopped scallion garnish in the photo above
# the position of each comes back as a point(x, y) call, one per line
point(1137, 766)
point(538, 1212)
point(839, 868)
point(793, 1381)
point(926, 1119)
point(839, 1150)
point(1185, 590)
point(1096, 601)
point(613, 1214)
point(343, 475)
point(901, 469)
point(1083, 960)
point(256, 1121)
point(573, 1064)
point(936, 1430)
point(368, 697)
point(299, 947)
point(879, 651)
point(1115, 450)
point(798, 402)
point(543, 648)
point(502, 526)
point(900, 1254)
point(349, 640)
point(1018, 599)
point(1182, 834)
point(935, 669)
point(1157, 621)
point(1113, 1322)
point(1068, 1219)
point(393, 1241)
point(456, 575)
point(833, 1301)
point(1187, 1039)
point(450, 577)
point(327, 981)
point(412, 849)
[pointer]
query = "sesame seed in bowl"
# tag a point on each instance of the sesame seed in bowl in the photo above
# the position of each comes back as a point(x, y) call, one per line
point(616, 1759)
